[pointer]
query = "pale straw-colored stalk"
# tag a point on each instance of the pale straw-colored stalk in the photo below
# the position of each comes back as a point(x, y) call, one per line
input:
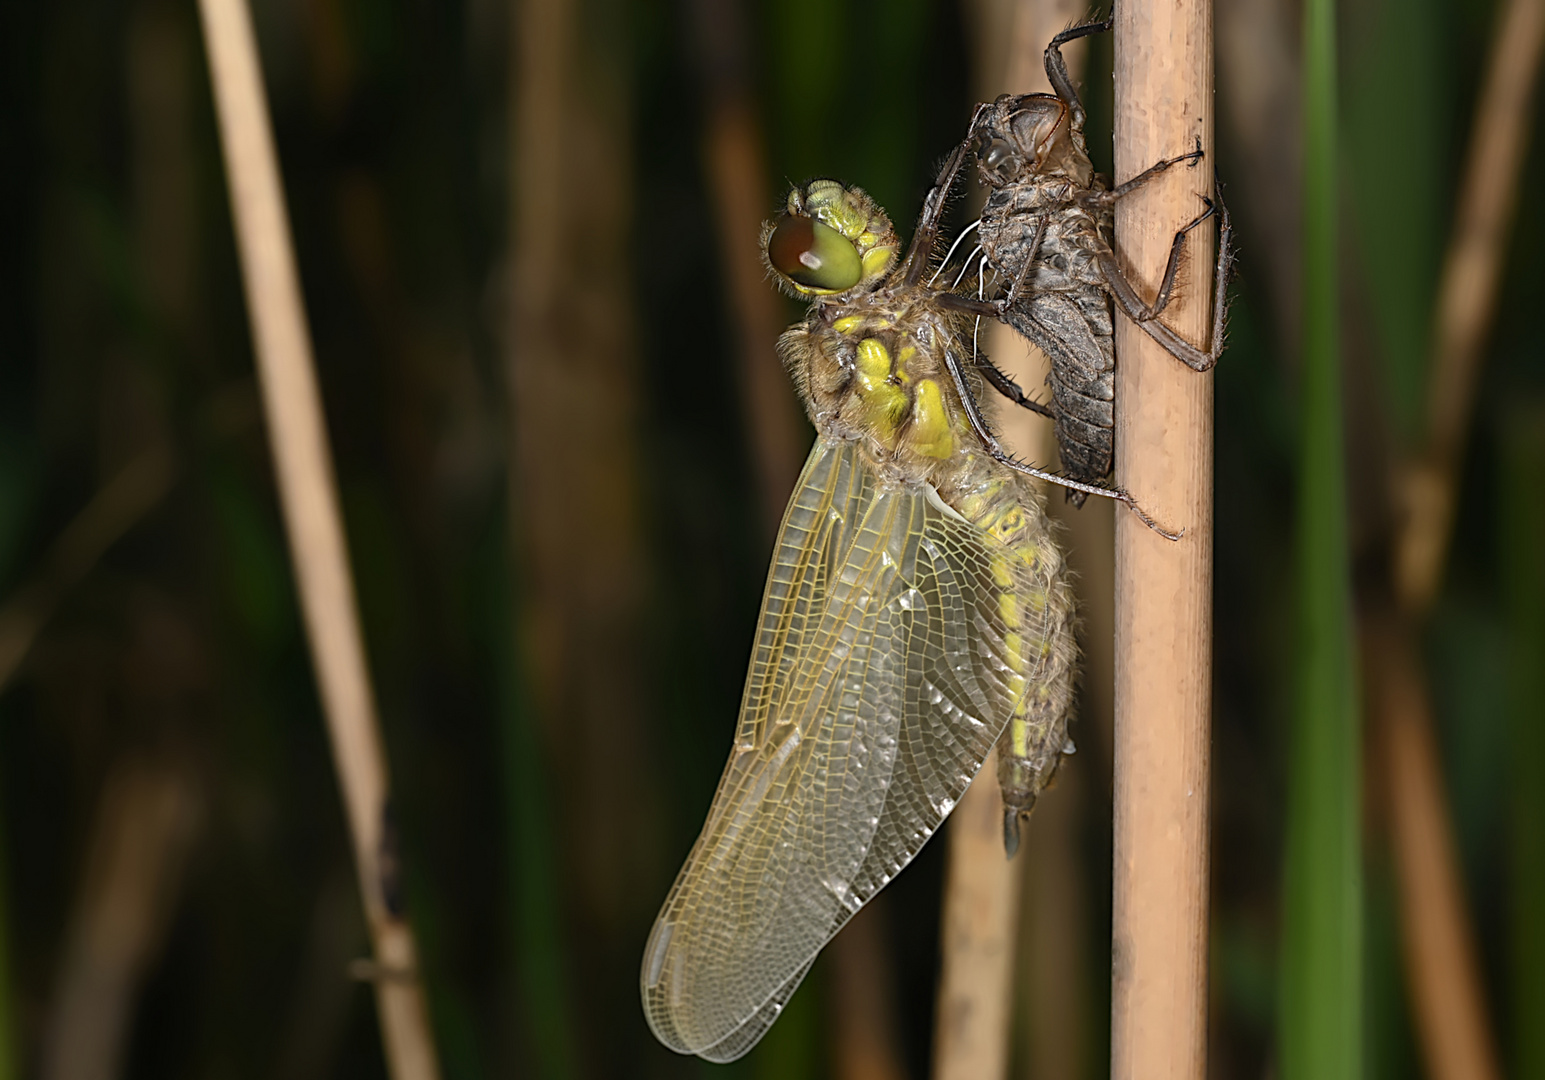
point(308, 498)
point(1163, 697)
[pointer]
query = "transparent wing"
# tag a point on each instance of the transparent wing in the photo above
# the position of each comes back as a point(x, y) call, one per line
point(877, 687)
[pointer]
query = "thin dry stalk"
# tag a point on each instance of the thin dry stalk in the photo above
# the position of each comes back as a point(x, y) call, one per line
point(1441, 956)
point(1442, 963)
point(981, 902)
point(121, 503)
point(1467, 295)
point(1163, 589)
point(145, 827)
point(737, 180)
point(309, 500)
point(1450, 1008)
point(574, 473)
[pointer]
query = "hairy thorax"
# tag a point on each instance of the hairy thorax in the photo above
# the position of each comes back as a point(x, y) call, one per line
point(873, 371)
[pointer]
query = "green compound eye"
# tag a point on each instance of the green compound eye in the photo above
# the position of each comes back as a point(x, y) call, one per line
point(813, 255)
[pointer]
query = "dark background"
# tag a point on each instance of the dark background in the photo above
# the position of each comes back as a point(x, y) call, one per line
point(162, 753)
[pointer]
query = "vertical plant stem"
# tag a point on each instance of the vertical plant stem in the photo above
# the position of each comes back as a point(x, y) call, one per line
point(1467, 294)
point(1321, 991)
point(1523, 535)
point(575, 499)
point(1163, 685)
point(981, 905)
point(1441, 957)
point(1444, 972)
point(735, 159)
point(539, 66)
point(309, 499)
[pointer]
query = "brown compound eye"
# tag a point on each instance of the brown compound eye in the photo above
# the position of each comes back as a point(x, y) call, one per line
point(814, 255)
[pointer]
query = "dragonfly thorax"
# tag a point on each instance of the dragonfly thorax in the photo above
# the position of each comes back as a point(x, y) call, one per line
point(875, 373)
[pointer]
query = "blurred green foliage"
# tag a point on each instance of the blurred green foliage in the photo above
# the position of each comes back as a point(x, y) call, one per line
point(1322, 938)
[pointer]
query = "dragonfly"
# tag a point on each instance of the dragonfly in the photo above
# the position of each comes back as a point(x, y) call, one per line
point(1047, 230)
point(917, 612)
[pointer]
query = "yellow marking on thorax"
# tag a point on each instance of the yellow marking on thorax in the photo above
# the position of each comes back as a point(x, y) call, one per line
point(884, 402)
point(875, 261)
point(930, 433)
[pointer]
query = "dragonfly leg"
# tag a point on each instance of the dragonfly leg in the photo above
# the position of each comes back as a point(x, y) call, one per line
point(1025, 265)
point(1000, 381)
point(927, 234)
point(1105, 198)
point(995, 451)
point(1147, 315)
point(1057, 68)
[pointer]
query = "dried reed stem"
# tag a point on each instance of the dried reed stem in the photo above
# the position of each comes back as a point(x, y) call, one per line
point(1441, 956)
point(1467, 294)
point(861, 987)
point(309, 500)
point(1444, 971)
point(121, 503)
point(981, 904)
point(1163, 589)
point(146, 824)
point(737, 178)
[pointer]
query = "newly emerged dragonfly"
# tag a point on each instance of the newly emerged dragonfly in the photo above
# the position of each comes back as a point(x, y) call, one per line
point(917, 612)
point(1046, 230)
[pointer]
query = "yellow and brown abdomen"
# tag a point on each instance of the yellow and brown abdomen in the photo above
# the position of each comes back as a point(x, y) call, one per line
point(872, 380)
point(1036, 609)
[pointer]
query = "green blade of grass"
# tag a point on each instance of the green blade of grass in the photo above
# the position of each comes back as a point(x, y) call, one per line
point(1321, 1022)
point(1523, 535)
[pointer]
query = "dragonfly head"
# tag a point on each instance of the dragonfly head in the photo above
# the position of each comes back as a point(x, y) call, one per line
point(830, 239)
point(1016, 138)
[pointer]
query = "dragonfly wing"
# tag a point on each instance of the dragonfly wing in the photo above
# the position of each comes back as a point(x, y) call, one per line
point(877, 686)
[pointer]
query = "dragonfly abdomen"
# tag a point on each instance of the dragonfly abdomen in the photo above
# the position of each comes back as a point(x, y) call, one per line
point(1034, 603)
point(1074, 329)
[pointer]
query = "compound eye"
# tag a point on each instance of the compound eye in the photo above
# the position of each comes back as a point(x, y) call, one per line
point(814, 255)
point(998, 155)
